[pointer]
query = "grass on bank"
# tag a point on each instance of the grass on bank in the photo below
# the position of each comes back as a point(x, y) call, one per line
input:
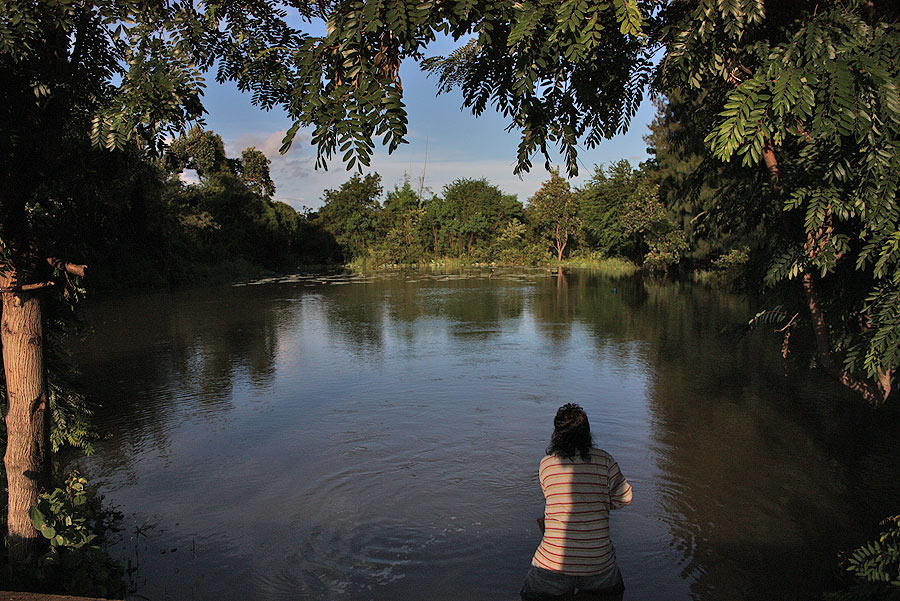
point(613, 267)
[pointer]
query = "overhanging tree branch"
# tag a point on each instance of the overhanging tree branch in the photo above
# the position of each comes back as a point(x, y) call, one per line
point(874, 394)
point(28, 287)
point(70, 268)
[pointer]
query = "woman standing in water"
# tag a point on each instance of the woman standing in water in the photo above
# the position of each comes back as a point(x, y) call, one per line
point(581, 484)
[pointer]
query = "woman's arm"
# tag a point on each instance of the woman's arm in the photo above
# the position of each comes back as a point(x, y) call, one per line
point(619, 488)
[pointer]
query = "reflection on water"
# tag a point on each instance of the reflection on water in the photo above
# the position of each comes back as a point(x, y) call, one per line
point(378, 437)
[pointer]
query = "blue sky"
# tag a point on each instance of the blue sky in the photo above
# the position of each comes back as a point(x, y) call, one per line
point(458, 144)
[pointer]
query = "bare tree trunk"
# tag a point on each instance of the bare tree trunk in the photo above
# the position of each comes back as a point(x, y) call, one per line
point(27, 456)
point(884, 381)
point(561, 241)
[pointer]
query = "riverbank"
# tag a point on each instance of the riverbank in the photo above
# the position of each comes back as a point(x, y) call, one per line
point(613, 267)
point(17, 596)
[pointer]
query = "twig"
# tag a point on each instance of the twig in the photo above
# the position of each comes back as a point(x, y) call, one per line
point(789, 323)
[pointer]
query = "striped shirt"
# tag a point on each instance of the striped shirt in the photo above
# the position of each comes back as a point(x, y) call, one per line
point(579, 495)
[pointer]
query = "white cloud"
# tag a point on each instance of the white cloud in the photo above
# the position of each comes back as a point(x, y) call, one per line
point(300, 185)
point(286, 170)
point(269, 144)
point(189, 176)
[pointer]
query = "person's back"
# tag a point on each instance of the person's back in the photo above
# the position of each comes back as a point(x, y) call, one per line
point(581, 484)
point(579, 495)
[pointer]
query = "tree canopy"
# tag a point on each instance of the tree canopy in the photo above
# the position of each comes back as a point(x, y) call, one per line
point(349, 213)
point(536, 62)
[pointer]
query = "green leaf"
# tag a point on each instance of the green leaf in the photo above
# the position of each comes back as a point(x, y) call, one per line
point(37, 517)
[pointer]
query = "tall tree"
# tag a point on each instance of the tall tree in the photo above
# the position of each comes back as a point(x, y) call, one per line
point(552, 210)
point(601, 202)
point(399, 225)
point(468, 215)
point(230, 210)
point(117, 73)
point(254, 167)
point(350, 213)
point(680, 166)
point(659, 234)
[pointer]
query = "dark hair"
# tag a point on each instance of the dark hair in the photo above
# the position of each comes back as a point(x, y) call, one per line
point(571, 433)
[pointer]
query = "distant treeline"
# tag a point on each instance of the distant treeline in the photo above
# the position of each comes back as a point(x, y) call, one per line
point(157, 229)
point(615, 214)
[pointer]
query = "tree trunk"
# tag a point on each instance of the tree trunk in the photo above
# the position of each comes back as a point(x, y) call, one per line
point(771, 162)
point(869, 391)
point(561, 242)
point(27, 456)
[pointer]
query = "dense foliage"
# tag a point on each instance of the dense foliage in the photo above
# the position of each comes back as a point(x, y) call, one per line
point(349, 213)
point(230, 213)
point(535, 61)
point(601, 201)
point(553, 210)
point(468, 217)
point(193, 215)
point(474, 221)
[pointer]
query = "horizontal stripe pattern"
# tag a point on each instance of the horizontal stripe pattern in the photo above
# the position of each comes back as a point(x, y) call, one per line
point(579, 495)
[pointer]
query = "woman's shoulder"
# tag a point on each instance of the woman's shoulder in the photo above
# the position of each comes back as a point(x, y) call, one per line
point(549, 459)
point(552, 460)
point(601, 455)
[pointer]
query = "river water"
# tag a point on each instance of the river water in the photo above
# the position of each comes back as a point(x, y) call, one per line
point(357, 438)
